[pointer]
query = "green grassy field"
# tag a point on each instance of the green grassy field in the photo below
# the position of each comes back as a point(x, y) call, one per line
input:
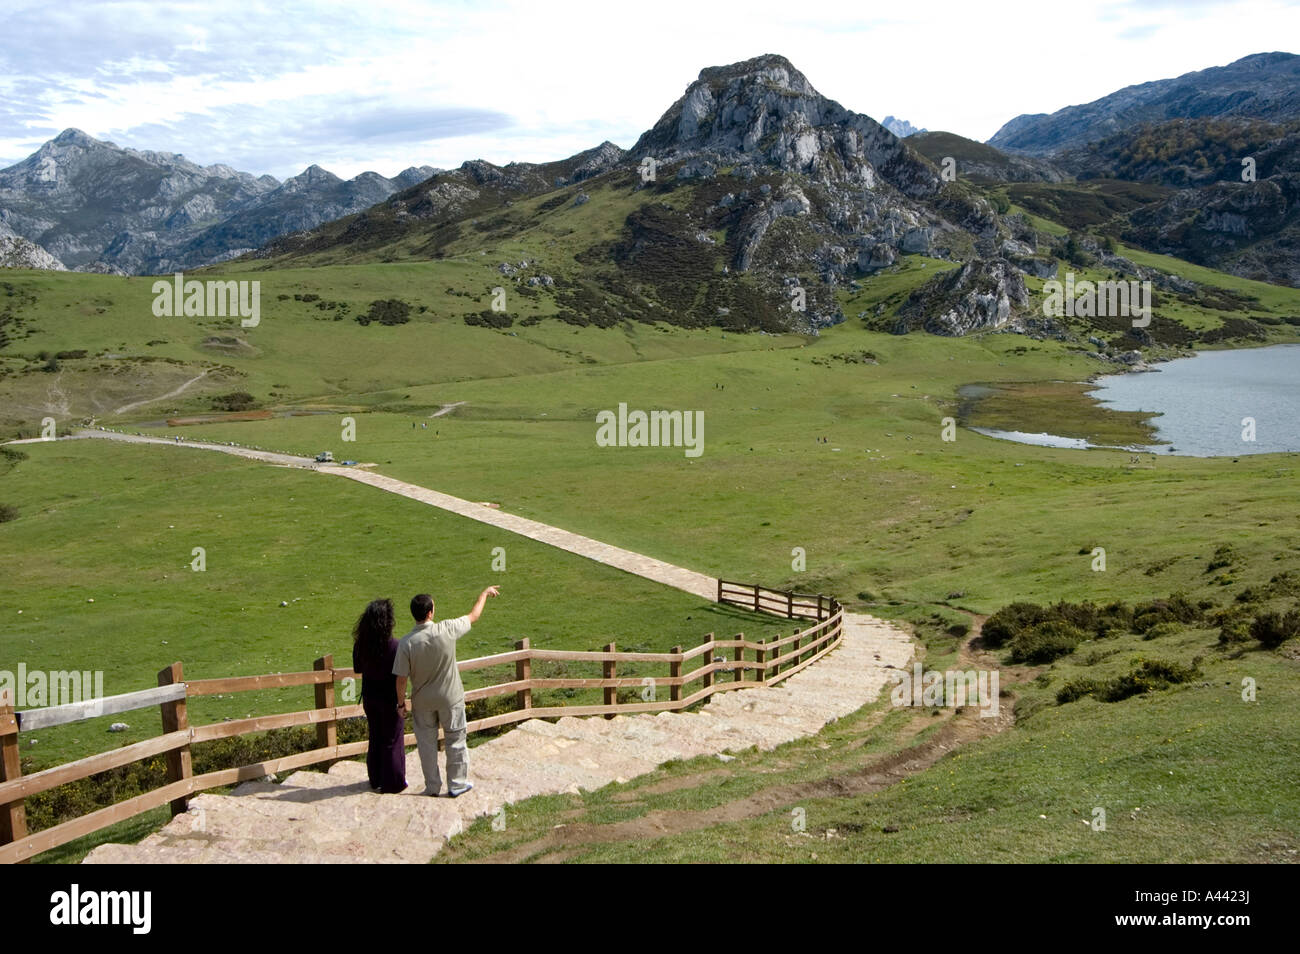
point(117, 524)
point(894, 520)
point(887, 507)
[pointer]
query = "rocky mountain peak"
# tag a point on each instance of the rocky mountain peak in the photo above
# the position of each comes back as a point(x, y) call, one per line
point(763, 111)
point(313, 175)
point(75, 137)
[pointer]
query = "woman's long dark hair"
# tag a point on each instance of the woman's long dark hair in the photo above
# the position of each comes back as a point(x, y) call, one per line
point(373, 630)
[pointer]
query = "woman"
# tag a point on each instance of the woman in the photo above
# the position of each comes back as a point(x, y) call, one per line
point(373, 652)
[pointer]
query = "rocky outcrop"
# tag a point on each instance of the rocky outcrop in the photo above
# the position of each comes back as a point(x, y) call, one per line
point(17, 252)
point(982, 295)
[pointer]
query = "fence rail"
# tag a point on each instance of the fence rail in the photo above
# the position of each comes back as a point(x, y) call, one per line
point(772, 662)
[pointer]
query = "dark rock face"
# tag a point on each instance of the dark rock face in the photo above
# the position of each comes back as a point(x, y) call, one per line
point(1262, 86)
point(98, 207)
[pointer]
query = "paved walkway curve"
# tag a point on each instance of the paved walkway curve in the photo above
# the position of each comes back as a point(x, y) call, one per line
point(334, 817)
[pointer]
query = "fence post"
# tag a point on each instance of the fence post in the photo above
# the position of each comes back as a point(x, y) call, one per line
point(797, 641)
point(762, 661)
point(755, 597)
point(739, 655)
point(327, 732)
point(13, 816)
point(789, 604)
point(610, 672)
point(719, 589)
point(675, 671)
point(175, 718)
point(708, 661)
point(523, 671)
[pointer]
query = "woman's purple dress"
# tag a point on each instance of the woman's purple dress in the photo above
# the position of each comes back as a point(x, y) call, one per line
point(386, 758)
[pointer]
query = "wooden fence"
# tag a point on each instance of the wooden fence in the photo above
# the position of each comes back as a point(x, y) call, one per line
point(692, 676)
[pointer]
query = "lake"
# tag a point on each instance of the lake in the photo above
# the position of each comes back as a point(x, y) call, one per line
point(1201, 402)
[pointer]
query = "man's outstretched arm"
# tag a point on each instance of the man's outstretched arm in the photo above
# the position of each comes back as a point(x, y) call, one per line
point(477, 611)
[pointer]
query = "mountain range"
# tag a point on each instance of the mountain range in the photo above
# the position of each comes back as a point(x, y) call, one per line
point(750, 192)
point(1262, 86)
point(94, 206)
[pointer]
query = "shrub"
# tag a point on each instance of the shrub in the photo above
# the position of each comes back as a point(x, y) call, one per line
point(1273, 629)
point(234, 401)
point(1046, 641)
point(1084, 616)
point(490, 319)
point(8, 512)
point(1286, 583)
point(1163, 629)
point(1007, 623)
point(1234, 631)
point(1149, 676)
point(1077, 689)
point(1233, 622)
point(1175, 609)
point(387, 311)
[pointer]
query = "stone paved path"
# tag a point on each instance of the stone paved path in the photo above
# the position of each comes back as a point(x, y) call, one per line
point(334, 817)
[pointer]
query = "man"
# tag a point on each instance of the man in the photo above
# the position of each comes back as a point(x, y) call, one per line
point(427, 657)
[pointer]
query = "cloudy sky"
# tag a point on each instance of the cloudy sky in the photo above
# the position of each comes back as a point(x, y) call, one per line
point(274, 87)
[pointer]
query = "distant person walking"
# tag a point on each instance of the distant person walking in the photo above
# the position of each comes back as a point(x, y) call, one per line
point(373, 652)
point(427, 657)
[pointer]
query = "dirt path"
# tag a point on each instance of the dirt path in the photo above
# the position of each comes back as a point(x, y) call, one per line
point(448, 408)
point(162, 397)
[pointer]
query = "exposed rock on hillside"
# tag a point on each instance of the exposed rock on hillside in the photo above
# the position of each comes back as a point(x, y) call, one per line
point(982, 295)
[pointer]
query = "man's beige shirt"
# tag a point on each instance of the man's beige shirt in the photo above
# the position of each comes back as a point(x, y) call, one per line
point(427, 656)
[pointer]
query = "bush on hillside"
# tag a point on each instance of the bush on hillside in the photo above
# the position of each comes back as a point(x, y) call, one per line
point(490, 319)
point(387, 311)
point(1176, 609)
point(1160, 630)
point(1273, 629)
point(1148, 676)
point(234, 401)
point(1007, 623)
point(8, 512)
point(1045, 642)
